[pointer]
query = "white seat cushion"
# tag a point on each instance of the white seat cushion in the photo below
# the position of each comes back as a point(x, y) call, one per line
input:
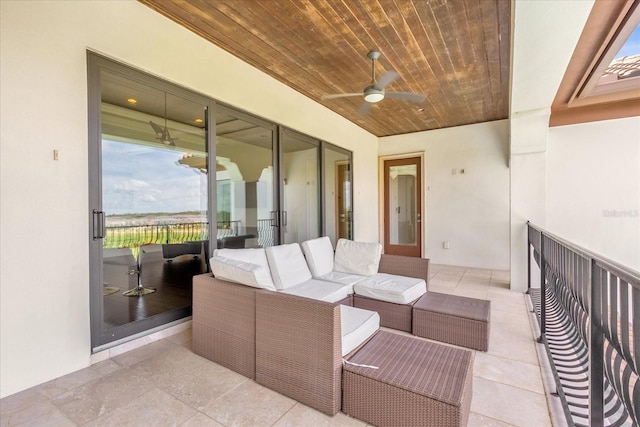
point(287, 264)
point(253, 256)
point(357, 257)
point(319, 255)
point(344, 278)
point(320, 290)
point(357, 325)
point(391, 288)
point(245, 273)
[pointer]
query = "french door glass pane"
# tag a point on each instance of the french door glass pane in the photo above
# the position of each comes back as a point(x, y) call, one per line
point(154, 196)
point(301, 190)
point(244, 182)
point(402, 205)
point(338, 194)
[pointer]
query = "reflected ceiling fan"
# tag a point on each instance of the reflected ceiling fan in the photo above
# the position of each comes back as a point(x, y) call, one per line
point(162, 134)
point(375, 91)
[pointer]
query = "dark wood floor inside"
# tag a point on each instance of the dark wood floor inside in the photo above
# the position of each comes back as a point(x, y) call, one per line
point(172, 280)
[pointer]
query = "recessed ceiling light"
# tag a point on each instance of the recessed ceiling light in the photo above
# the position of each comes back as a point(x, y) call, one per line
point(198, 120)
point(421, 109)
point(132, 101)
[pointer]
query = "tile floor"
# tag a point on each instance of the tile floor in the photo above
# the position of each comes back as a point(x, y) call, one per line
point(164, 383)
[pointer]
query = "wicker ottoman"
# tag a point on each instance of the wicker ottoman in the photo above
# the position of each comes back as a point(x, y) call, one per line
point(417, 383)
point(453, 319)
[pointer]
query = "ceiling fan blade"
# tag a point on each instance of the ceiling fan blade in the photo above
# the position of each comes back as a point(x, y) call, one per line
point(341, 95)
point(386, 79)
point(364, 108)
point(408, 96)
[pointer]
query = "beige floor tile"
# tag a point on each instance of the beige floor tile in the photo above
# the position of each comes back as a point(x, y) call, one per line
point(68, 382)
point(155, 408)
point(170, 364)
point(265, 407)
point(506, 371)
point(20, 400)
point(43, 413)
point(477, 420)
point(91, 400)
point(202, 386)
point(504, 344)
point(509, 404)
point(106, 367)
point(200, 420)
point(302, 415)
point(145, 352)
point(441, 289)
point(451, 284)
point(471, 293)
point(180, 338)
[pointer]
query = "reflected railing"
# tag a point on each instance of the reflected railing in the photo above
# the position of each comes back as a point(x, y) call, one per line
point(588, 311)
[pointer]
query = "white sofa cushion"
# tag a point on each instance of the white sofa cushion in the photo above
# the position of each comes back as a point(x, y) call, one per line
point(360, 258)
point(320, 290)
point(242, 272)
point(391, 288)
point(319, 255)
point(357, 325)
point(287, 264)
point(343, 278)
point(251, 255)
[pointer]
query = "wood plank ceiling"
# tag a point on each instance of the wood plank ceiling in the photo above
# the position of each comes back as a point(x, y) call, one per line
point(454, 51)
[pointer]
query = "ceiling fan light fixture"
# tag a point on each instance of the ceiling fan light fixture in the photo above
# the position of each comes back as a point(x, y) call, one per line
point(373, 95)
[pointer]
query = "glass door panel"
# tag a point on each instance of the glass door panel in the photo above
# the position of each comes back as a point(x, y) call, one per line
point(153, 183)
point(300, 211)
point(246, 213)
point(402, 207)
point(337, 193)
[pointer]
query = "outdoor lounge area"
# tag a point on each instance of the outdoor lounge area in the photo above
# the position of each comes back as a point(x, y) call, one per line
point(493, 145)
point(164, 380)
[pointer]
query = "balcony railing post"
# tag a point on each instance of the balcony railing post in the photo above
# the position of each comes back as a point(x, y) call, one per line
point(596, 346)
point(528, 258)
point(543, 290)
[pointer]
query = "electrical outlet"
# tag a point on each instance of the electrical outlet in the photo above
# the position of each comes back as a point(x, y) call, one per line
point(446, 245)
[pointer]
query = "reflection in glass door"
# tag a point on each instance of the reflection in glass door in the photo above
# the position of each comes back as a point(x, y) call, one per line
point(300, 189)
point(402, 200)
point(337, 194)
point(149, 201)
point(246, 215)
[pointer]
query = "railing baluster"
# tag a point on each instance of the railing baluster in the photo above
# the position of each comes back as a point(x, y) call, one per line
point(596, 371)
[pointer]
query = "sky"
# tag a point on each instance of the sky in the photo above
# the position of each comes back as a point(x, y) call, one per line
point(141, 179)
point(632, 45)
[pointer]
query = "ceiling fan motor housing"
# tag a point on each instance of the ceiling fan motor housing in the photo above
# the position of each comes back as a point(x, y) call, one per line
point(373, 94)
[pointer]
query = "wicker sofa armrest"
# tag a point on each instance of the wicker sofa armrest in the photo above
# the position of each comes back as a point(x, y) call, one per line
point(224, 323)
point(405, 266)
point(298, 349)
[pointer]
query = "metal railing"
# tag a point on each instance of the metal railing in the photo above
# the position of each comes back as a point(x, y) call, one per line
point(588, 311)
point(126, 236)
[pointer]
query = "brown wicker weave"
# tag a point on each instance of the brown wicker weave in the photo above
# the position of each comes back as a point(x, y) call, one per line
point(418, 383)
point(392, 315)
point(453, 319)
point(405, 266)
point(395, 316)
point(224, 322)
point(299, 349)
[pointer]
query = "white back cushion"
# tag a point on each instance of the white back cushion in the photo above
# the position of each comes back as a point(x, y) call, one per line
point(287, 264)
point(241, 272)
point(251, 255)
point(319, 255)
point(357, 257)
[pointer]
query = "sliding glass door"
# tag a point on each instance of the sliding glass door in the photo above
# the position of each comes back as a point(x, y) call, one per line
point(149, 198)
point(300, 187)
point(157, 208)
point(246, 208)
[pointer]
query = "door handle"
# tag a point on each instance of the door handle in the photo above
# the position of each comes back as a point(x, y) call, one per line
point(99, 226)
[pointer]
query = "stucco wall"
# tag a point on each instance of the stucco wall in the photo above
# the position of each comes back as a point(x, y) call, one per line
point(469, 210)
point(593, 187)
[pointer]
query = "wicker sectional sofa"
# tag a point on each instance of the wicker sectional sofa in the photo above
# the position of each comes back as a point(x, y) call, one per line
point(296, 344)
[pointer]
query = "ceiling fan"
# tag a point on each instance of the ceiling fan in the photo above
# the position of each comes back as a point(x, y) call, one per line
point(375, 91)
point(162, 134)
